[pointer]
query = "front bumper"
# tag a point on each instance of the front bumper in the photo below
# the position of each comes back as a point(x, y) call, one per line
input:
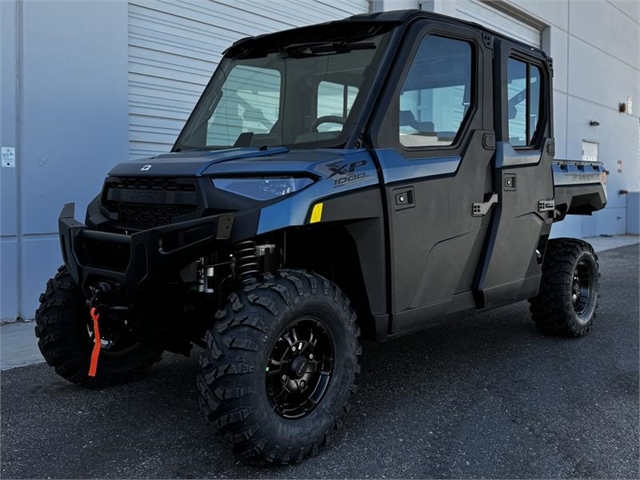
point(147, 257)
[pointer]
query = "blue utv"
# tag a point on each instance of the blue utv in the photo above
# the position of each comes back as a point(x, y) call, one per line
point(379, 174)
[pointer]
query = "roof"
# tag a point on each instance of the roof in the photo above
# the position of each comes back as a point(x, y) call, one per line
point(397, 17)
point(404, 16)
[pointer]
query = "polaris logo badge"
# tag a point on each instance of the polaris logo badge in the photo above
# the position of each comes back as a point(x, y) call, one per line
point(142, 196)
point(145, 168)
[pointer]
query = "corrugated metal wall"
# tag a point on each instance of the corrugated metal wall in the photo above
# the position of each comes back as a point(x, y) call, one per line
point(174, 47)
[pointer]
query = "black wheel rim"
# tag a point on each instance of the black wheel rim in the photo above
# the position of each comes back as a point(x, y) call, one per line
point(116, 336)
point(581, 289)
point(300, 368)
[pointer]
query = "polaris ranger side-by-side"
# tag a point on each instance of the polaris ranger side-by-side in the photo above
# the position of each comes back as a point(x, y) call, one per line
point(378, 174)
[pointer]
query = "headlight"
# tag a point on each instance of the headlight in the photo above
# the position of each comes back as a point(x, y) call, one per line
point(264, 188)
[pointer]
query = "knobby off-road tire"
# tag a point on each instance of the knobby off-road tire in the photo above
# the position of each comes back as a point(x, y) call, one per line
point(64, 330)
point(267, 336)
point(568, 298)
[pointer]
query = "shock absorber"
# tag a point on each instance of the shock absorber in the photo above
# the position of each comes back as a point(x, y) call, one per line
point(246, 261)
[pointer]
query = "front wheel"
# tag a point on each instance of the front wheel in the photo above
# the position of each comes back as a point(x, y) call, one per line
point(65, 338)
point(280, 367)
point(568, 298)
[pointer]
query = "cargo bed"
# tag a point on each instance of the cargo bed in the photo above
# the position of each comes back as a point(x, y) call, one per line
point(580, 187)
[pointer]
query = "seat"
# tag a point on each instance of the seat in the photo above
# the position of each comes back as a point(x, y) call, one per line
point(408, 119)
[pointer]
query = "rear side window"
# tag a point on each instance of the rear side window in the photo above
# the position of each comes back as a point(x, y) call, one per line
point(436, 94)
point(523, 102)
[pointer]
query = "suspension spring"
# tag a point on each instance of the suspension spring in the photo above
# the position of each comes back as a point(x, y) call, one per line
point(246, 261)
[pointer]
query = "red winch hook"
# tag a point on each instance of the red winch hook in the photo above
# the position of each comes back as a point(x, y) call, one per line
point(93, 366)
point(95, 317)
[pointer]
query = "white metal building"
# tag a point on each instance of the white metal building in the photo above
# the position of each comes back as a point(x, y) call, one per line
point(86, 85)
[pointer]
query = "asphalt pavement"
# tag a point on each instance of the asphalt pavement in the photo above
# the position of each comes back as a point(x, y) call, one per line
point(489, 397)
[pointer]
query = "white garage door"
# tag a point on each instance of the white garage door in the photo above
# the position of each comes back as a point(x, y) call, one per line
point(480, 12)
point(175, 45)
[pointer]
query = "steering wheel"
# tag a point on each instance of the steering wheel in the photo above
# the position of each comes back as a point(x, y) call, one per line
point(326, 119)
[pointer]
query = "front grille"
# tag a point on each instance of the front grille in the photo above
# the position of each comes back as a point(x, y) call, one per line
point(141, 203)
point(148, 216)
point(145, 183)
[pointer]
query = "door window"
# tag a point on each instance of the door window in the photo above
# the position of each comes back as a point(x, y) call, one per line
point(436, 95)
point(523, 102)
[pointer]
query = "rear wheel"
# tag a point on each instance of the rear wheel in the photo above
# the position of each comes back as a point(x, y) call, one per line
point(568, 298)
point(65, 338)
point(280, 367)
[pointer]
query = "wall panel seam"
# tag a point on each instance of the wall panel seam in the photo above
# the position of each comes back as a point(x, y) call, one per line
point(609, 54)
point(623, 12)
point(18, 152)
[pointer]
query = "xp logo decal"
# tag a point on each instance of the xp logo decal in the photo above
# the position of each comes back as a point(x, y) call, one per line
point(345, 172)
point(339, 168)
point(145, 168)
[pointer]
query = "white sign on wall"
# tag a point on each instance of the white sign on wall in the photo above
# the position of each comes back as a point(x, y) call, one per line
point(589, 151)
point(8, 157)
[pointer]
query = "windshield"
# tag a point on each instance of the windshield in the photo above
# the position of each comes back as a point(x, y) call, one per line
point(297, 95)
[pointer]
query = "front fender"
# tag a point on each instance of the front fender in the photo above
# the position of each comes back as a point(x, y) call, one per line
point(354, 172)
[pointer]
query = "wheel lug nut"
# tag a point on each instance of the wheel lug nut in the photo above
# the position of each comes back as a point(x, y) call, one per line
point(311, 356)
point(293, 349)
point(284, 378)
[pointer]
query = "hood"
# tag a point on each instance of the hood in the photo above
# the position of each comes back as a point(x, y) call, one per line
point(234, 161)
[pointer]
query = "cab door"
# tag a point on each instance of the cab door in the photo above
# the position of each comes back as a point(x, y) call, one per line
point(523, 177)
point(434, 144)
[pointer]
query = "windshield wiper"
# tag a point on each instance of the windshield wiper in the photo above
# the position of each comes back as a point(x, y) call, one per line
point(191, 148)
point(310, 49)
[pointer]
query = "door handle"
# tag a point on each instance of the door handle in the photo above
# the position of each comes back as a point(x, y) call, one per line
point(481, 209)
point(510, 182)
point(403, 198)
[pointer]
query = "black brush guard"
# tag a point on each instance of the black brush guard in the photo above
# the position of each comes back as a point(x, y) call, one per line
point(150, 255)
